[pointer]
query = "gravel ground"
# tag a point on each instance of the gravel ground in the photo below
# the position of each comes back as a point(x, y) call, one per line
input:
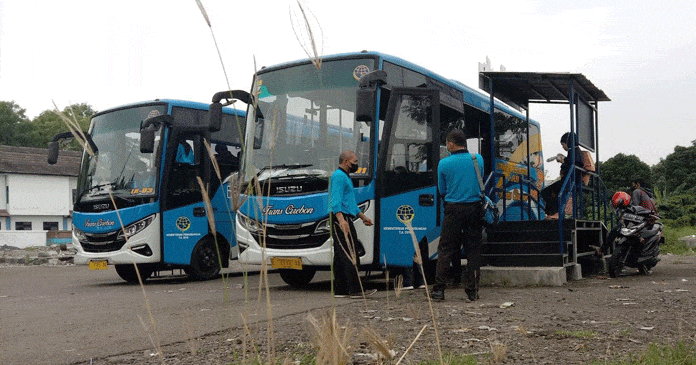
point(593, 319)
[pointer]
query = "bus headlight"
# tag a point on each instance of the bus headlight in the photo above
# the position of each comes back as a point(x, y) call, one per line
point(135, 228)
point(249, 224)
point(364, 206)
point(80, 235)
point(323, 227)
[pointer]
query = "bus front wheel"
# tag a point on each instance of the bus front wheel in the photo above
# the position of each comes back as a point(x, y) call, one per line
point(127, 272)
point(205, 261)
point(297, 278)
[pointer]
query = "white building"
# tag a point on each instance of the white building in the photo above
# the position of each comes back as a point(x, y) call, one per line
point(36, 196)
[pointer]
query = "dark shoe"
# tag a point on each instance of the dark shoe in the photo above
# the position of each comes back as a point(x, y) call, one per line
point(367, 293)
point(437, 295)
point(472, 294)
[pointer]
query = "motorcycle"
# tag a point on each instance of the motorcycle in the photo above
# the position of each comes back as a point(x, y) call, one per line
point(637, 239)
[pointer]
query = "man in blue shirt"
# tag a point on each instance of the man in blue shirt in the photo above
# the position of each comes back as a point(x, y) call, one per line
point(461, 225)
point(343, 209)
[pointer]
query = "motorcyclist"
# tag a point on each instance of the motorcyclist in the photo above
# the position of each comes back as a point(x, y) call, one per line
point(642, 195)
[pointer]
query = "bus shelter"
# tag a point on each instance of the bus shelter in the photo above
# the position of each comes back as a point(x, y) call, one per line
point(583, 200)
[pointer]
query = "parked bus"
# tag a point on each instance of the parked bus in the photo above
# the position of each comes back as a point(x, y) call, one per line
point(395, 115)
point(138, 200)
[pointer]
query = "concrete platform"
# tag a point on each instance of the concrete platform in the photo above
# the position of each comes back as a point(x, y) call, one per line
point(529, 276)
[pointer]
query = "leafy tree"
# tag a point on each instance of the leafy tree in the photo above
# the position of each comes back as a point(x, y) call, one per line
point(49, 123)
point(618, 171)
point(676, 174)
point(675, 184)
point(11, 117)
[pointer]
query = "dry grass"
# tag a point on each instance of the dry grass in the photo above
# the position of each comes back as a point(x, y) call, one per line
point(498, 351)
point(307, 33)
point(332, 341)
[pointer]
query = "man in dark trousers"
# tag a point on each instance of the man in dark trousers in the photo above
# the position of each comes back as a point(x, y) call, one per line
point(343, 209)
point(458, 184)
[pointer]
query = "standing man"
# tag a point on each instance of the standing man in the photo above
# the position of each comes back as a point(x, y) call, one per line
point(458, 184)
point(343, 209)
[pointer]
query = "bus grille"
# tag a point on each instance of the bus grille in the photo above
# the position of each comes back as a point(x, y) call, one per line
point(290, 236)
point(105, 242)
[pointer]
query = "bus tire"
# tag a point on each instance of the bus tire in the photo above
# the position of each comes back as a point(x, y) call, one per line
point(297, 278)
point(127, 272)
point(205, 261)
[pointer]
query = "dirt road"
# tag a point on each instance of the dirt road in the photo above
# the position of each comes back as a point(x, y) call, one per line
point(591, 319)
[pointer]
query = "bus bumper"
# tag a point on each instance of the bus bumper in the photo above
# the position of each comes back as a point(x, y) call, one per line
point(253, 254)
point(142, 247)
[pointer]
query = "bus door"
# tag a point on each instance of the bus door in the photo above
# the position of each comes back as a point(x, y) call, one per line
point(184, 220)
point(407, 204)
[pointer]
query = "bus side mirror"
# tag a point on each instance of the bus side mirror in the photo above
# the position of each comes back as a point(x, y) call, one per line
point(365, 104)
point(366, 95)
point(148, 127)
point(215, 117)
point(147, 140)
point(215, 108)
point(52, 153)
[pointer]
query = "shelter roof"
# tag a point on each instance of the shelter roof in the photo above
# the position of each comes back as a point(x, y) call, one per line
point(521, 88)
point(29, 160)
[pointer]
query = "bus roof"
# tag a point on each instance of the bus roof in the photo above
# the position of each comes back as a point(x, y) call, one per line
point(174, 102)
point(472, 96)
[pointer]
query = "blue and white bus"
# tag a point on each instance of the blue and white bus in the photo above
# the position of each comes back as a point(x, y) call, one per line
point(395, 115)
point(138, 200)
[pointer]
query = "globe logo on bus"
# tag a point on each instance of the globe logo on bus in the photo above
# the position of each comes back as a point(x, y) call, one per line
point(153, 113)
point(405, 214)
point(183, 223)
point(360, 71)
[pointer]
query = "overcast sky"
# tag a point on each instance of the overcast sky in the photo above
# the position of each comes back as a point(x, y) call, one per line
point(642, 54)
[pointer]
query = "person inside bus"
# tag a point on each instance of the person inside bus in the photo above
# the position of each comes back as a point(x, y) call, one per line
point(457, 182)
point(184, 154)
point(550, 193)
point(343, 209)
point(225, 160)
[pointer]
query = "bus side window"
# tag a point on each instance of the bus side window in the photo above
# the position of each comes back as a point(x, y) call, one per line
point(410, 147)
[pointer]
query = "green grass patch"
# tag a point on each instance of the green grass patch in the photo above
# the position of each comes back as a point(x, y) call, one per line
point(681, 353)
point(672, 243)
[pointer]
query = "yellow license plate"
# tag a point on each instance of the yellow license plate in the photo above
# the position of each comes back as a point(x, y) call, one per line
point(97, 265)
point(286, 263)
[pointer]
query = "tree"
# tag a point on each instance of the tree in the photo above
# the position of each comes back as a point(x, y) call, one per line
point(11, 117)
point(49, 123)
point(675, 183)
point(676, 174)
point(618, 171)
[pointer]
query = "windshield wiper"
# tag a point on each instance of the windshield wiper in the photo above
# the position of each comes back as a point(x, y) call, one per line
point(91, 188)
point(284, 166)
point(298, 176)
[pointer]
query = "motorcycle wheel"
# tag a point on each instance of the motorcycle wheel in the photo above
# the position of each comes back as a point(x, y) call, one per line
point(616, 261)
point(644, 270)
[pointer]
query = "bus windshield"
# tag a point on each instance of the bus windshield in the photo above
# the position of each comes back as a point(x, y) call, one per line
point(119, 167)
point(306, 117)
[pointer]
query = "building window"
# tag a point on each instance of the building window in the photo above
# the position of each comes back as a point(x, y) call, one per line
point(50, 226)
point(22, 226)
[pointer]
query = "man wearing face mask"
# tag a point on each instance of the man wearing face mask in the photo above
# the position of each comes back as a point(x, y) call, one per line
point(343, 209)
